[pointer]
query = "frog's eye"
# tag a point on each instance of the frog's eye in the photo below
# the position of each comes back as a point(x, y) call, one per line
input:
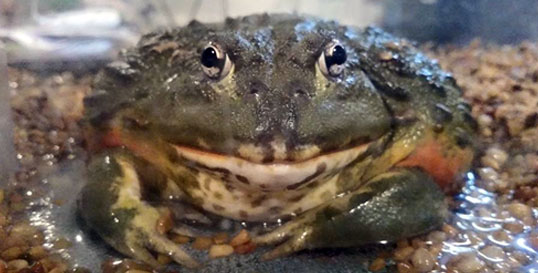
point(332, 59)
point(215, 62)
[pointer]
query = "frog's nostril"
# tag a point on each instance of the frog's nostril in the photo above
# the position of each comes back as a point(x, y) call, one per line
point(257, 87)
point(298, 92)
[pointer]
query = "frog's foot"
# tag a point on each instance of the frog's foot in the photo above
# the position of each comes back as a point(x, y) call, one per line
point(395, 205)
point(111, 204)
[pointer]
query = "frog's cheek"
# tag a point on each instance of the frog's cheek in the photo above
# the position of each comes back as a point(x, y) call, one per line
point(443, 161)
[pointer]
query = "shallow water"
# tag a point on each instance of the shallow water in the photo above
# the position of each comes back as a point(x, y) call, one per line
point(477, 215)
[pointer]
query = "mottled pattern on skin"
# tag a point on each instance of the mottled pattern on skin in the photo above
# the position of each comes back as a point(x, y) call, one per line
point(259, 206)
point(276, 136)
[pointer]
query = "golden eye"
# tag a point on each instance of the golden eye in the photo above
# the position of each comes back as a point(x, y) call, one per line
point(215, 62)
point(332, 59)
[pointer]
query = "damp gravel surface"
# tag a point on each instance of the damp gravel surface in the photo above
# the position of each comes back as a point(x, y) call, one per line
point(492, 228)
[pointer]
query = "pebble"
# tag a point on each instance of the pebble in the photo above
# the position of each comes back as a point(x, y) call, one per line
point(404, 268)
point(514, 228)
point(469, 263)
point(220, 238)
point(245, 248)
point(493, 253)
point(12, 253)
point(423, 260)
point(163, 259)
point(450, 230)
point(217, 251)
point(17, 264)
point(37, 252)
point(502, 236)
point(494, 158)
point(241, 238)
point(180, 239)
point(385, 56)
point(377, 265)
point(401, 254)
point(202, 243)
point(484, 120)
point(520, 211)
point(521, 257)
point(437, 236)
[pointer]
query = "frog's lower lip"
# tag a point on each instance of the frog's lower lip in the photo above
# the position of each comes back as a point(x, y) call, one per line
point(272, 176)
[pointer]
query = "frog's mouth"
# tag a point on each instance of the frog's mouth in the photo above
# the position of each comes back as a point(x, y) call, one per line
point(272, 176)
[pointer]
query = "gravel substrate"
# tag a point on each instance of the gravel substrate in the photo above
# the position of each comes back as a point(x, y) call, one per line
point(494, 227)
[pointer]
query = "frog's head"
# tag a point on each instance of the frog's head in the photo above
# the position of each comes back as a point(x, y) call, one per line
point(264, 89)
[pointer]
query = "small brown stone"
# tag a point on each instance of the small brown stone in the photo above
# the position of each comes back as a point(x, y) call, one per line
point(12, 253)
point(163, 259)
point(218, 251)
point(220, 238)
point(385, 56)
point(241, 238)
point(37, 252)
point(16, 265)
point(514, 228)
point(202, 243)
point(402, 254)
point(423, 260)
point(245, 248)
point(377, 265)
point(404, 268)
point(180, 239)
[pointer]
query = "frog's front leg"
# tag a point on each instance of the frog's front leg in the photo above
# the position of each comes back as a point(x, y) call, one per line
point(394, 205)
point(111, 204)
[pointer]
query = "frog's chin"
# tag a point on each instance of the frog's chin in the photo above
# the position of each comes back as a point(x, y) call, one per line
point(272, 176)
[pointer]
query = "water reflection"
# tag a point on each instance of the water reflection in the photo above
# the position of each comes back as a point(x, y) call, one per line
point(489, 231)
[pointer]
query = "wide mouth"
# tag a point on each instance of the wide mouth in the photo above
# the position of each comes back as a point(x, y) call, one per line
point(272, 176)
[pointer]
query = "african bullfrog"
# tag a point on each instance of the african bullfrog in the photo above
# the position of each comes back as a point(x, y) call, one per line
point(349, 134)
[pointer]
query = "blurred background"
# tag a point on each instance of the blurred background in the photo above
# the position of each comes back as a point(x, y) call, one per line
point(64, 32)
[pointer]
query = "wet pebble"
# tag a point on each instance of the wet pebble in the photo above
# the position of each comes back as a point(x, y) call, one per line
point(493, 253)
point(437, 236)
point(469, 263)
point(218, 251)
point(520, 211)
point(494, 158)
point(401, 254)
point(423, 260)
point(17, 264)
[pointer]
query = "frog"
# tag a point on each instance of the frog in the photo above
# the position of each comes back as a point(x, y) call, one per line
point(344, 136)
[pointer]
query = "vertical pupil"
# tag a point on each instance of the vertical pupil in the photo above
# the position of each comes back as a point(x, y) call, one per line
point(338, 55)
point(209, 57)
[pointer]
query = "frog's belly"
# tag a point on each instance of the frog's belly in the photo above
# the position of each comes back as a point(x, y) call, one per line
point(220, 198)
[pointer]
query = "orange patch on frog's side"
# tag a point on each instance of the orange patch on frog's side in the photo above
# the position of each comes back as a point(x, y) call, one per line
point(141, 147)
point(442, 165)
point(113, 138)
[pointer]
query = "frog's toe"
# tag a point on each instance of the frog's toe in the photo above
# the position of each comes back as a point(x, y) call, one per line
point(141, 241)
point(298, 241)
point(278, 235)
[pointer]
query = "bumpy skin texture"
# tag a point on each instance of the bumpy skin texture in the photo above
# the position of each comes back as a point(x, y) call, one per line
point(352, 159)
